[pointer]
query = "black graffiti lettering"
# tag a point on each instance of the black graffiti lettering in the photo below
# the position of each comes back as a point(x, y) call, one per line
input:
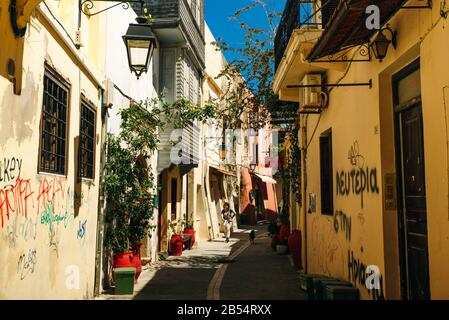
point(373, 181)
point(10, 169)
point(352, 177)
point(358, 182)
point(342, 222)
point(357, 275)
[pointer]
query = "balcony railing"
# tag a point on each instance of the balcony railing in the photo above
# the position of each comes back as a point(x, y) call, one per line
point(299, 14)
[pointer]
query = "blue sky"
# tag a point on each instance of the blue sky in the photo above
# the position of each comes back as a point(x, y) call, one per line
point(219, 11)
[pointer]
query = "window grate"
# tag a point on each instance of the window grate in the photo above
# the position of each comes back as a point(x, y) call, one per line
point(53, 126)
point(86, 149)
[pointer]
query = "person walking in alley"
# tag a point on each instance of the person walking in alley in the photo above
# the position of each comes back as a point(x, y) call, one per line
point(227, 214)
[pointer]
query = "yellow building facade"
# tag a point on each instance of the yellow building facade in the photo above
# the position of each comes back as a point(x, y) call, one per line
point(50, 119)
point(375, 159)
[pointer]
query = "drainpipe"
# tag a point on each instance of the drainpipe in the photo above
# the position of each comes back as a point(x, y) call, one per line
point(101, 197)
point(304, 186)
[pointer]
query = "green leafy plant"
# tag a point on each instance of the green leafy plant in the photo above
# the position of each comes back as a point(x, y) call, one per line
point(129, 182)
point(294, 166)
point(189, 225)
point(252, 72)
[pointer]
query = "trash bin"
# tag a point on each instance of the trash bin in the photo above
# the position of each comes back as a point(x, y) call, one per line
point(124, 280)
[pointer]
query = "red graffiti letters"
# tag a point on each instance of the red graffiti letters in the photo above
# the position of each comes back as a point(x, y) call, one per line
point(16, 199)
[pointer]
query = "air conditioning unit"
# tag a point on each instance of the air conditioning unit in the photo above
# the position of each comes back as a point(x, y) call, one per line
point(108, 93)
point(313, 98)
point(312, 94)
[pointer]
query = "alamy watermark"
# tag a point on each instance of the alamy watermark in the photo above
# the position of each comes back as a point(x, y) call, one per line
point(232, 146)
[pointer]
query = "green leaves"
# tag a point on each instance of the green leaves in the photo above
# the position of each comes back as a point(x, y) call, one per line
point(252, 74)
point(129, 181)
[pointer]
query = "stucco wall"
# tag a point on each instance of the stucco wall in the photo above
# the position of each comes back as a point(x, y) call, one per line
point(361, 232)
point(42, 259)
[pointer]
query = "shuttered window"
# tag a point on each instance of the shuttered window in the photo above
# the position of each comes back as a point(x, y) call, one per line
point(326, 168)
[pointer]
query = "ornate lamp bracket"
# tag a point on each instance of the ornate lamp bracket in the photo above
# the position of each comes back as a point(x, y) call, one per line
point(86, 6)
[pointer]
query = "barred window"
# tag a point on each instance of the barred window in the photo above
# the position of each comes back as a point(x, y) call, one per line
point(86, 148)
point(53, 144)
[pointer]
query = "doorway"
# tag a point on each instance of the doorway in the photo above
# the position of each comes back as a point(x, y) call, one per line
point(412, 211)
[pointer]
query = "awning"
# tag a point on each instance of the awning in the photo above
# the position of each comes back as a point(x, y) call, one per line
point(265, 179)
point(347, 28)
point(223, 171)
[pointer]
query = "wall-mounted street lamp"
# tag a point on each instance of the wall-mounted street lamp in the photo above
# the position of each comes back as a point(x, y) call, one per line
point(252, 167)
point(381, 43)
point(140, 43)
point(139, 40)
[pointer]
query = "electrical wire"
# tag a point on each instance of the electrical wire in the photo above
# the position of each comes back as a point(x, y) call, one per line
point(60, 24)
point(123, 94)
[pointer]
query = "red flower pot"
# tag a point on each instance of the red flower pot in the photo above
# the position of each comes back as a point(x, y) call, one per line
point(137, 260)
point(122, 260)
point(176, 245)
point(192, 233)
point(294, 245)
point(284, 232)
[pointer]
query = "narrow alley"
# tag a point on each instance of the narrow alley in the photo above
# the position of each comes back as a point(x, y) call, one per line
point(216, 270)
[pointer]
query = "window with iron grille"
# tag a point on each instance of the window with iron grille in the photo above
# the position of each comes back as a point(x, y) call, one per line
point(86, 149)
point(53, 144)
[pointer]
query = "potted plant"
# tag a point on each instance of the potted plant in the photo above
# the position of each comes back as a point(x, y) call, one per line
point(273, 232)
point(127, 182)
point(190, 231)
point(176, 243)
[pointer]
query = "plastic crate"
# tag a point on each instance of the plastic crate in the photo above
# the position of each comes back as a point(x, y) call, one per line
point(317, 289)
point(342, 293)
point(124, 280)
point(322, 294)
point(306, 283)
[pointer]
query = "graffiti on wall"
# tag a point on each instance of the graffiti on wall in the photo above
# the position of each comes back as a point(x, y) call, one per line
point(358, 274)
point(343, 223)
point(326, 253)
point(16, 199)
point(52, 200)
point(10, 169)
point(81, 233)
point(15, 230)
point(360, 179)
point(23, 205)
point(27, 264)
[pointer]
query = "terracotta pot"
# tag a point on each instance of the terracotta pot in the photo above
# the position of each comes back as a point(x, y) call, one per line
point(284, 232)
point(122, 260)
point(294, 246)
point(176, 245)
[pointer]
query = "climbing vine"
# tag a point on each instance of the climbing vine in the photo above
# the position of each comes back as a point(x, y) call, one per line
point(294, 165)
